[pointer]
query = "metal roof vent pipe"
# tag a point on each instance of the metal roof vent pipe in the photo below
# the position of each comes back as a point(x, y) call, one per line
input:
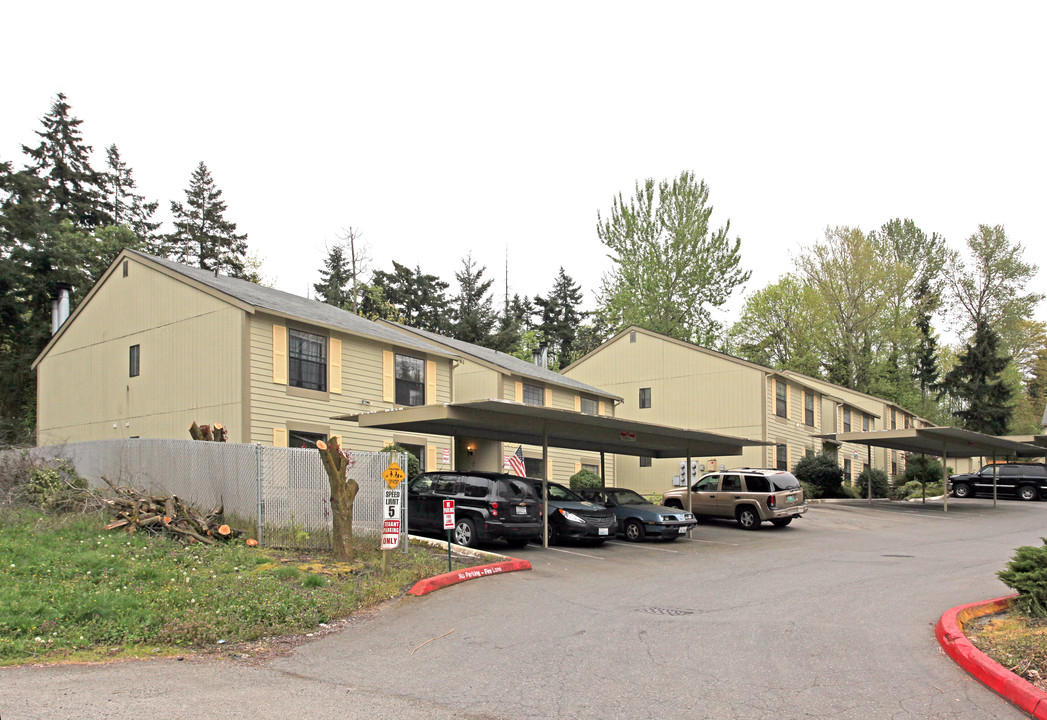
point(540, 355)
point(60, 306)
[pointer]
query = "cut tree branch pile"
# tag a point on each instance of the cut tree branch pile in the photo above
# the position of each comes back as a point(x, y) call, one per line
point(166, 515)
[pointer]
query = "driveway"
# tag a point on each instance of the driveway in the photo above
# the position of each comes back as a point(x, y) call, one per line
point(831, 617)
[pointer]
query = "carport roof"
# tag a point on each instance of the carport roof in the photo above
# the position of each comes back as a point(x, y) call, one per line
point(933, 441)
point(515, 422)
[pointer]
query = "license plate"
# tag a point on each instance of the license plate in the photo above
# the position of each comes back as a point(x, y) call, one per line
point(521, 510)
point(683, 531)
point(790, 498)
point(602, 531)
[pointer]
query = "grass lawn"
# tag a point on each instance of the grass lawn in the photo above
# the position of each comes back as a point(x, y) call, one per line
point(70, 590)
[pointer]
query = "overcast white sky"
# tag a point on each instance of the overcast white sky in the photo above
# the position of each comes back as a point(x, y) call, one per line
point(440, 129)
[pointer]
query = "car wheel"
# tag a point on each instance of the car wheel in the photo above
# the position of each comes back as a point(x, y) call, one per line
point(748, 518)
point(1027, 492)
point(961, 490)
point(554, 535)
point(634, 531)
point(781, 522)
point(465, 533)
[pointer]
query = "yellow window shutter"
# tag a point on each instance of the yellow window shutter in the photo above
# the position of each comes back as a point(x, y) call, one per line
point(430, 382)
point(280, 355)
point(279, 437)
point(603, 408)
point(430, 457)
point(548, 397)
point(577, 467)
point(519, 391)
point(334, 367)
point(388, 378)
point(577, 403)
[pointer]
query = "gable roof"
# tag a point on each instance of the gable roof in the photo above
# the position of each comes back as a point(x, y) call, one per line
point(251, 296)
point(503, 362)
point(809, 381)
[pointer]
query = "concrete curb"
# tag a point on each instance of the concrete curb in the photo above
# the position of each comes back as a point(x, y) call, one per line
point(501, 564)
point(997, 678)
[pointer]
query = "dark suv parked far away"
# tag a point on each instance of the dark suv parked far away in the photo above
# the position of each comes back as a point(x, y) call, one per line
point(487, 506)
point(1027, 481)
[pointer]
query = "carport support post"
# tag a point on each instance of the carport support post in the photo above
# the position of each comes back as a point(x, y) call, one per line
point(869, 466)
point(945, 479)
point(994, 477)
point(545, 487)
point(687, 474)
point(603, 469)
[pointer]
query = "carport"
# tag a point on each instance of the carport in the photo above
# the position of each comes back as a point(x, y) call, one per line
point(943, 442)
point(502, 420)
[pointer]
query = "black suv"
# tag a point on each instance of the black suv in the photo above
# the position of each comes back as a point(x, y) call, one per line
point(1027, 481)
point(487, 506)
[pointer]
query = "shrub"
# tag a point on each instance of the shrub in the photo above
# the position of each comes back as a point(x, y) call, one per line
point(915, 489)
point(823, 472)
point(810, 491)
point(922, 469)
point(1026, 573)
point(52, 485)
point(880, 486)
point(414, 467)
point(584, 479)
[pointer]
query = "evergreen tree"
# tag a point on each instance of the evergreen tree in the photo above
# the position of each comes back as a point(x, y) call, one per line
point(976, 382)
point(126, 206)
point(513, 322)
point(560, 318)
point(74, 189)
point(474, 316)
point(408, 296)
point(202, 236)
point(925, 368)
point(333, 287)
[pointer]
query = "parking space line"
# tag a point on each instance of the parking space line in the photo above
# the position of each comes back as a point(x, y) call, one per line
point(643, 547)
point(571, 552)
point(711, 542)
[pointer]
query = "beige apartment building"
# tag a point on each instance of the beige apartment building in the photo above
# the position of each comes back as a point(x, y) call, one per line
point(157, 345)
point(671, 382)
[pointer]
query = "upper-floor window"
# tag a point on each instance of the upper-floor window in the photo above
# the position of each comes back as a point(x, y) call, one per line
point(306, 360)
point(645, 462)
point(645, 397)
point(894, 420)
point(808, 409)
point(590, 406)
point(781, 399)
point(410, 380)
point(865, 423)
point(134, 360)
point(846, 419)
point(533, 395)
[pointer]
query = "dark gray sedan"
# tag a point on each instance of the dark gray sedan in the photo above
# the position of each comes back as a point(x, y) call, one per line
point(637, 517)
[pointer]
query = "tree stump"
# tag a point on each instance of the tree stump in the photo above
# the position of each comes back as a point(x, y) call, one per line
point(343, 495)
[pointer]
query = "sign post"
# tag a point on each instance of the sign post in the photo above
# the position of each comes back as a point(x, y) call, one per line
point(448, 526)
point(393, 476)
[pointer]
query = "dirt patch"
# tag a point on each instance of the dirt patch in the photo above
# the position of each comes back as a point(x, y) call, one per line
point(1016, 642)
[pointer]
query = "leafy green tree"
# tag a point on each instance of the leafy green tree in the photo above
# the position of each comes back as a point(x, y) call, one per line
point(976, 382)
point(202, 236)
point(822, 473)
point(128, 207)
point(560, 318)
point(73, 188)
point(670, 268)
point(776, 327)
point(471, 308)
point(408, 296)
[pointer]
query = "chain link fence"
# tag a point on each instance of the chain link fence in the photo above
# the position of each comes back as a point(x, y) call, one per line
point(281, 496)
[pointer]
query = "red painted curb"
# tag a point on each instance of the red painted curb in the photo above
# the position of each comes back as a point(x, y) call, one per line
point(422, 587)
point(997, 678)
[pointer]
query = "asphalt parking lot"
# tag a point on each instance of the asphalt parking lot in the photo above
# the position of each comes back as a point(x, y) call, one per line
point(831, 617)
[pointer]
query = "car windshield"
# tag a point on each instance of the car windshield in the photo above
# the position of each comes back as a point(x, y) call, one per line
point(561, 493)
point(629, 497)
point(784, 481)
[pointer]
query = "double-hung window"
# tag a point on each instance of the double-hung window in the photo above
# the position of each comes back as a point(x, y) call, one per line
point(846, 419)
point(306, 360)
point(533, 395)
point(410, 380)
point(781, 399)
point(589, 406)
point(808, 409)
point(645, 398)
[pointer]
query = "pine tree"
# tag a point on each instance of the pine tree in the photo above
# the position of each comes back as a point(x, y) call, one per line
point(334, 279)
point(74, 189)
point(560, 318)
point(474, 316)
point(127, 207)
point(408, 296)
point(202, 236)
point(513, 322)
point(977, 384)
point(925, 368)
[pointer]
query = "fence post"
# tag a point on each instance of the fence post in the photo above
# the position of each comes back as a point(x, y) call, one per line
point(403, 507)
point(258, 492)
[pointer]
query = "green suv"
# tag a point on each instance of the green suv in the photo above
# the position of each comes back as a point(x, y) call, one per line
point(749, 495)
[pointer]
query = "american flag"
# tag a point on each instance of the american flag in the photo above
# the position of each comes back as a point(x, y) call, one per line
point(516, 462)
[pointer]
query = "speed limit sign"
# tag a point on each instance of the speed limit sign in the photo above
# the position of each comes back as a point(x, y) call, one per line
point(392, 504)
